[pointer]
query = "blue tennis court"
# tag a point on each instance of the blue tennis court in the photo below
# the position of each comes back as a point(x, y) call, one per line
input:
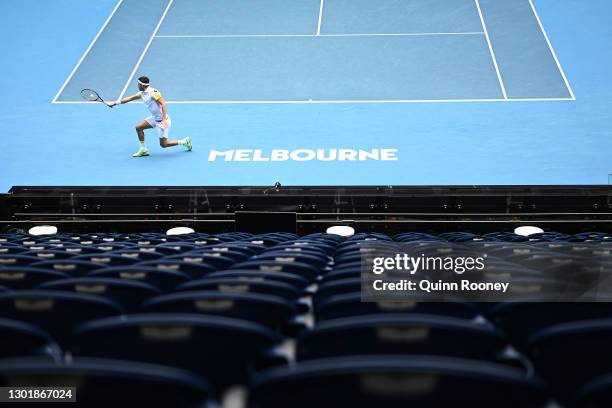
point(453, 91)
point(325, 51)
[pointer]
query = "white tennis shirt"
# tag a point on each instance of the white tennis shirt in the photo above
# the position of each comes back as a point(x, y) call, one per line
point(150, 98)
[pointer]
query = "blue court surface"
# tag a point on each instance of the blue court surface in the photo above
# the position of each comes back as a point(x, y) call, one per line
point(310, 92)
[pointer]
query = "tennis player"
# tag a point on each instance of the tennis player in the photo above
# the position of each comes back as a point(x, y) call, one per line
point(159, 118)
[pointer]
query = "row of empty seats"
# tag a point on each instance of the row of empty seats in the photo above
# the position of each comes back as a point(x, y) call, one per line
point(281, 316)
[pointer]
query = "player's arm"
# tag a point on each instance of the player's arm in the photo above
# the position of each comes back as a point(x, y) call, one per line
point(163, 105)
point(126, 99)
point(164, 109)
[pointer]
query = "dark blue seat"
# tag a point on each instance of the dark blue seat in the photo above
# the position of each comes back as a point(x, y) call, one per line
point(129, 294)
point(397, 381)
point(180, 246)
point(351, 305)
point(27, 278)
point(234, 236)
point(520, 320)
point(138, 254)
point(368, 236)
point(351, 245)
point(69, 266)
point(356, 256)
point(306, 246)
point(56, 312)
point(338, 287)
point(225, 253)
point(50, 254)
point(9, 248)
point(11, 260)
point(402, 334)
point(271, 311)
point(416, 236)
point(308, 271)
point(314, 259)
point(596, 394)
point(215, 259)
point(20, 339)
point(569, 355)
point(218, 348)
point(349, 249)
point(261, 276)
point(108, 259)
point(28, 241)
point(248, 248)
point(74, 249)
point(113, 246)
point(458, 236)
point(266, 241)
point(165, 280)
point(193, 269)
point(237, 285)
point(106, 383)
point(352, 270)
point(147, 241)
point(151, 249)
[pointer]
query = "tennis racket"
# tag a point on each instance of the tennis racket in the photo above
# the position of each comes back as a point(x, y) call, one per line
point(92, 96)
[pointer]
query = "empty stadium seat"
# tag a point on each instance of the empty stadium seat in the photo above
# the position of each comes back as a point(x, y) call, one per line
point(27, 278)
point(596, 394)
point(347, 305)
point(237, 285)
point(56, 312)
point(105, 383)
point(520, 320)
point(397, 381)
point(129, 294)
point(219, 348)
point(571, 354)
point(402, 334)
point(262, 276)
point(21, 339)
point(271, 311)
point(282, 315)
point(70, 267)
point(163, 279)
point(194, 270)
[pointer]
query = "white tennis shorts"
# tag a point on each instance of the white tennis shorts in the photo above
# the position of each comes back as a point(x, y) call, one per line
point(163, 132)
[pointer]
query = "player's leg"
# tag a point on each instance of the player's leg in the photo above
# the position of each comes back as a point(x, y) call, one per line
point(164, 141)
point(140, 128)
point(186, 142)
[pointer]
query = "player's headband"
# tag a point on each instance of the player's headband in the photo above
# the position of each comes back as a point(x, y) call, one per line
point(143, 83)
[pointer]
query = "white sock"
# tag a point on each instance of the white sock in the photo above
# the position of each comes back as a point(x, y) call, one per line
point(142, 144)
point(181, 141)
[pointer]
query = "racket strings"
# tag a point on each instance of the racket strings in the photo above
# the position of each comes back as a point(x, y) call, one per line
point(90, 95)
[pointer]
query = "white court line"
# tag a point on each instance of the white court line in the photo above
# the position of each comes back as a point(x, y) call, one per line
point(86, 52)
point(317, 35)
point(320, 18)
point(552, 51)
point(373, 101)
point(484, 26)
point(159, 23)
